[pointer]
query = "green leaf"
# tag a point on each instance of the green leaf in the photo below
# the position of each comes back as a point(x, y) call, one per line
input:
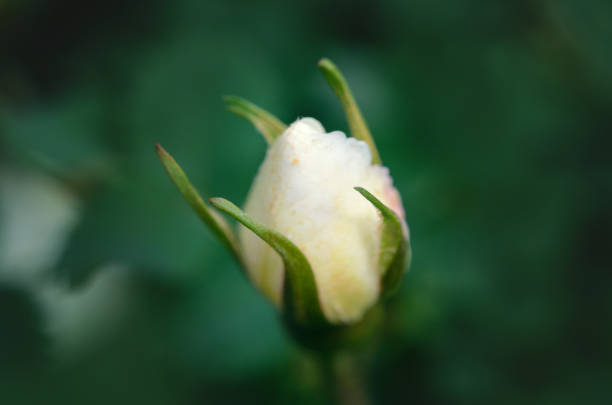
point(394, 250)
point(358, 126)
point(267, 124)
point(213, 220)
point(301, 297)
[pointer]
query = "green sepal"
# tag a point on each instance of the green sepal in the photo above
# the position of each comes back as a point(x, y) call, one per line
point(358, 126)
point(216, 223)
point(334, 338)
point(394, 248)
point(267, 124)
point(300, 295)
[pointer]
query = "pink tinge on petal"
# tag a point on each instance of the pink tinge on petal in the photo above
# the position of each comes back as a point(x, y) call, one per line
point(394, 201)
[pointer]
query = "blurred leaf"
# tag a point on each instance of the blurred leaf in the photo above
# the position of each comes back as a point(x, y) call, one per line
point(23, 338)
point(62, 136)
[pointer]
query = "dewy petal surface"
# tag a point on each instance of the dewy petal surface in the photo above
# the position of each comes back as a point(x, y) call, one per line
point(304, 190)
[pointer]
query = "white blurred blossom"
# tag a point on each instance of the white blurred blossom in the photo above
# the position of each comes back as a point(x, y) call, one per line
point(37, 214)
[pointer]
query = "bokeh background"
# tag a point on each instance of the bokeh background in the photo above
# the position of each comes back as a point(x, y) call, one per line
point(494, 117)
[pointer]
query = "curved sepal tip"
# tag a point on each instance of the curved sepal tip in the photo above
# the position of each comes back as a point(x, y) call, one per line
point(357, 124)
point(267, 124)
point(215, 223)
point(394, 249)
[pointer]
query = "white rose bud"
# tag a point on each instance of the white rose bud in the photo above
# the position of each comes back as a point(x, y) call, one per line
point(305, 191)
point(323, 233)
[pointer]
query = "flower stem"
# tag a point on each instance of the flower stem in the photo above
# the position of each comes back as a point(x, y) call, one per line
point(350, 387)
point(345, 383)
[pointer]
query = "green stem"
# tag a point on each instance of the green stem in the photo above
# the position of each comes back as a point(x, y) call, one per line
point(350, 386)
point(343, 380)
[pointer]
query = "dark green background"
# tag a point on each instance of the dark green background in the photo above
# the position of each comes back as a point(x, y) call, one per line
point(493, 116)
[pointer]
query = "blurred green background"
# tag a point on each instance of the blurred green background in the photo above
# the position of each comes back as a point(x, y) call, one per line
point(493, 116)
